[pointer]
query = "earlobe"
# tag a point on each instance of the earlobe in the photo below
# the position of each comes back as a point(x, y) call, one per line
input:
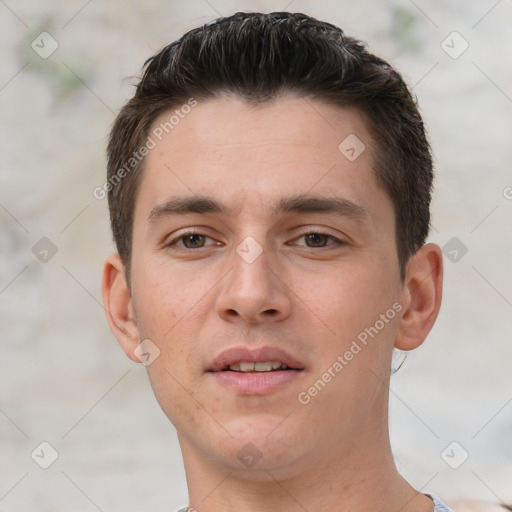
point(421, 299)
point(118, 306)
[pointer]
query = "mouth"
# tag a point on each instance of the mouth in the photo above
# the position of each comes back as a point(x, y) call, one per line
point(255, 371)
point(260, 366)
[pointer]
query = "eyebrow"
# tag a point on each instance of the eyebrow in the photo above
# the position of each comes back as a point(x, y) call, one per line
point(294, 204)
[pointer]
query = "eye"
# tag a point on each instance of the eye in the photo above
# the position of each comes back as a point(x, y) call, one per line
point(319, 239)
point(190, 240)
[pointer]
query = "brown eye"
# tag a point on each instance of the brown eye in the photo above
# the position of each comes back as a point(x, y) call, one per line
point(193, 241)
point(190, 240)
point(317, 239)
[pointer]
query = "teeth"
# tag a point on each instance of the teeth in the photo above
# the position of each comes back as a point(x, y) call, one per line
point(267, 366)
point(246, 367)
point(264, 366)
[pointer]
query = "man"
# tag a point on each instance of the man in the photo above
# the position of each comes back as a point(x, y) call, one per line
point(269, 189)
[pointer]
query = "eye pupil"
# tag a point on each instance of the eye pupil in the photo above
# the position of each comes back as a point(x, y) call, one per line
point(317, 238)
point(193, 239)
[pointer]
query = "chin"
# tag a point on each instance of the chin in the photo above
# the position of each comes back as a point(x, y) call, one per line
point(262, 443)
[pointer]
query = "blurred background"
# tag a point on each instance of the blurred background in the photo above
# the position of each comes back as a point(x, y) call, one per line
point(67, 68)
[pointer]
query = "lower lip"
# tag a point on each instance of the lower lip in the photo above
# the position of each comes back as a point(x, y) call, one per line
point(255, 383)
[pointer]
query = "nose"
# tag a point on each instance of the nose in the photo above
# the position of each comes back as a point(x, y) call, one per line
point(253, 291)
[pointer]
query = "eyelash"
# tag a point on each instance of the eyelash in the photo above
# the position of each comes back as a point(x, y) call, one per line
point(337, 241)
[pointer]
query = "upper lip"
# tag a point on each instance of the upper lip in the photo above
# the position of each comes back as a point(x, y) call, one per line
point(241, 353)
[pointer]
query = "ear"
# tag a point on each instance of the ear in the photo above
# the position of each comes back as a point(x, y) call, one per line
point(421, 298)
point(118, 306)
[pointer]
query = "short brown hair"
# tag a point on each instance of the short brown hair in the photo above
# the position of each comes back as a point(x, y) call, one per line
point(257, 56)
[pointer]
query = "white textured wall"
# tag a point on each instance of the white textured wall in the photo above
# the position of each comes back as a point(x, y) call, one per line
point(64, 378)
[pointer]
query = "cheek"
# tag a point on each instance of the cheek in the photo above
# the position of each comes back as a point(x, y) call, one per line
point(171, 391)
point(346, 300)
point(350, 307)
point(168, 315)
point(167, 299)
point(356, 326)
point(170, 310)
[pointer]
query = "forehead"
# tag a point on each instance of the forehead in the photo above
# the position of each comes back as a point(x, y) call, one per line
point(249, 155)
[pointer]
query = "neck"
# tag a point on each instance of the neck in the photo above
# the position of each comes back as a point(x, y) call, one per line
point(361, 476)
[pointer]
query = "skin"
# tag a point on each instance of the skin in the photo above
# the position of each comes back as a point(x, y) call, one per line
point(312, 301)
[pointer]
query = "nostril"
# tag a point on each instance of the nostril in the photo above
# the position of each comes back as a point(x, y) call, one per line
point(271, 312)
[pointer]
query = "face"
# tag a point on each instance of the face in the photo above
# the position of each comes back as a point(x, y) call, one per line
point(258, 238)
